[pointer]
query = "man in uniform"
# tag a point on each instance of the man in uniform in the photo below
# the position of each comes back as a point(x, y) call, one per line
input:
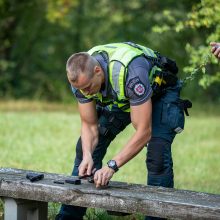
point(116, 84)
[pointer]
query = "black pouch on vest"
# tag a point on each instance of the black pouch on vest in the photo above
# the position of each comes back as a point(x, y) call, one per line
point(169, 78)
point(168, 65)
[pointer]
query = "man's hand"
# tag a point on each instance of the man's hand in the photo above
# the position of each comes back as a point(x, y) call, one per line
point(86, 166)
point(215, 49)
point(102, 176)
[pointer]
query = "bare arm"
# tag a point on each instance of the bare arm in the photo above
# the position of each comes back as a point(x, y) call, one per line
point(89, 135)
point(141, 120)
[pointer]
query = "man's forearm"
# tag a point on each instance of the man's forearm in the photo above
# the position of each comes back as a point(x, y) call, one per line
point(133, 147)
point(89, 138)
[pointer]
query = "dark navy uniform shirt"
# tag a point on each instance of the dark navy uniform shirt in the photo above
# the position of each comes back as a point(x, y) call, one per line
point(137, 84)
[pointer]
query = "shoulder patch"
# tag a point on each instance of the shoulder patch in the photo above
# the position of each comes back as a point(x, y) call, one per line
point(137, 86)
point(132, 82)
point(139, 89)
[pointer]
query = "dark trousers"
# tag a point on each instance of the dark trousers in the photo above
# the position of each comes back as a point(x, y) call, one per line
point(166, 116)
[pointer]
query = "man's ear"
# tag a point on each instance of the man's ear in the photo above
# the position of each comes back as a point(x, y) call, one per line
point(97, 70)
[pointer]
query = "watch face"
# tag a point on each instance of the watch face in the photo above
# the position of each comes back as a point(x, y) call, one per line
point(111, 163)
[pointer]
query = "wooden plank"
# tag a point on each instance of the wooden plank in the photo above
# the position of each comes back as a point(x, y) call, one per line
point(122, 197)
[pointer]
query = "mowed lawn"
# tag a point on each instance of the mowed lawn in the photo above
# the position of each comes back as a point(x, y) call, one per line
point(45, 141)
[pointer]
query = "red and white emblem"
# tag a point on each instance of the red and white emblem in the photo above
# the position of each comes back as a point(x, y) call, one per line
point(139, 89)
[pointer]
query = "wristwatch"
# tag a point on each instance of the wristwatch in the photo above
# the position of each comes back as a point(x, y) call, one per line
point(113, 165)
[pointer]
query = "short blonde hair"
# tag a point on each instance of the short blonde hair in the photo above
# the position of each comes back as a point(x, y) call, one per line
point(80, 63)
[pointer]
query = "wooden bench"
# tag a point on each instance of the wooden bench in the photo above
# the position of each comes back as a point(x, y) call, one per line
point(26, 200)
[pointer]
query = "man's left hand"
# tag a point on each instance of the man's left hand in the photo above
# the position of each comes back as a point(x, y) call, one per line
point(102, 176)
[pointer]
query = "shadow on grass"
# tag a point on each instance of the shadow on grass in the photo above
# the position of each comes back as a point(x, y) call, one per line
point(198, 109)
point(100, 214)
point(37, 106)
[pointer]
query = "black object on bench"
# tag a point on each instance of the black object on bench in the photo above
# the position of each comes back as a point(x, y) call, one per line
point(33, 177)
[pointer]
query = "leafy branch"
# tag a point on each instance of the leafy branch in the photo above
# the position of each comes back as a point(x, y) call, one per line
point(195, 71)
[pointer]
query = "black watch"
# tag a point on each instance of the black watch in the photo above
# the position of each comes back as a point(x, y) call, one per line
point(113, 165)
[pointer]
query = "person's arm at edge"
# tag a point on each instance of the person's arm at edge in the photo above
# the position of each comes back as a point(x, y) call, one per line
point(89, 135)
point(215, 49)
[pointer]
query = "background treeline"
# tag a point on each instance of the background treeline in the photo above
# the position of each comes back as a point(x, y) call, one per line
point(37, 37)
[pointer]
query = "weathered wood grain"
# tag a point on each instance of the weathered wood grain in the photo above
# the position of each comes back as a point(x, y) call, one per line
point(122, 197)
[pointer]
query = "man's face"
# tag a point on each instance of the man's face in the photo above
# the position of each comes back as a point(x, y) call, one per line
point(88, 86)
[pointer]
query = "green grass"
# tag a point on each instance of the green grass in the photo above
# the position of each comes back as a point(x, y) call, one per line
point(44, 140)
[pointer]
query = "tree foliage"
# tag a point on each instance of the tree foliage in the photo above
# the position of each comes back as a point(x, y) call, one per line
point(38, 36)
point(204, 23)
point(206, 16)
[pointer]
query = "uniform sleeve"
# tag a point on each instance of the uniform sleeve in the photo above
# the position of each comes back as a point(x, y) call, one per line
point(79, 96)
point(138, 88)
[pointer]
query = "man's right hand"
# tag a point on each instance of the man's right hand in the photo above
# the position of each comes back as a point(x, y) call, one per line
point(86, 166)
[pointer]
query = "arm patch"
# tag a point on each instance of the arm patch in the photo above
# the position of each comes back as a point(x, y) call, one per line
point(137, 86)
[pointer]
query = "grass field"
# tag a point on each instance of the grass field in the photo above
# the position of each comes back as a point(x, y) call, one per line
point(42, 137)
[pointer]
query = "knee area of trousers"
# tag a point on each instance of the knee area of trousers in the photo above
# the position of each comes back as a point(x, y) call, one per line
point(159, 167)
point(155, 166)
point(159, 158)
